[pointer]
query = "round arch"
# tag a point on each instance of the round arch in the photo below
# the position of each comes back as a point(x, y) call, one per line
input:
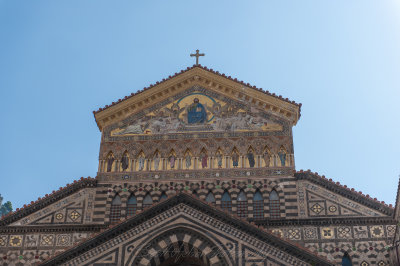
point(180, 245)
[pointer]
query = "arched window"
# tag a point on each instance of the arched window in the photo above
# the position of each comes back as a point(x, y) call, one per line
point(346, 260)
point(242, 205)
point(131, 206)
point(258, 206)
point(115, 211)
point(274, 208)
point(163, 196)
point(210, 198)
point(147, 201)
point(226, 203)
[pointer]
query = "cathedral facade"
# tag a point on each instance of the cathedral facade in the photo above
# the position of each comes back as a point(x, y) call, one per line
point(199, 169)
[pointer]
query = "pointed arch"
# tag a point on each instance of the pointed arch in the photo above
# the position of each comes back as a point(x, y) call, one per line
point(188, 158)
point(251, 157)
point(210, 198)
point(242, 205)
point(141, 158)
point(163, 196)
point(147, 201)
point(110, 161)
point(267, 156)
point(282, 153)
point(156, 160)
point(131, 206)
point(115, 210)
point(219, 156)
point(171, 159)
point(258, 205)
point(346, 259)
point(226, 202)
point(204, 158)
point(235, 157)
point(274, 206)
point(125, 161)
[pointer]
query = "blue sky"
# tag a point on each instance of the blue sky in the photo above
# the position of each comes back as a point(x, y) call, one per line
point(60, 60)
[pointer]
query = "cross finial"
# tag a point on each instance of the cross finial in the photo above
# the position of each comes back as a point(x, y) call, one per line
point(197, 55)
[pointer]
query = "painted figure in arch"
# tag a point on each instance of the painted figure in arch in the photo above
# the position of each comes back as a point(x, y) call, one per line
point(110, 161)
point(188, 160)
point(235, 159)
point(125, 162)
point(219, 159)
point(196, 112)
point(250, 157)
point(282, 156)
point(141, 162)
point(172, 159)
point(267, 158)
point(156, 161)
point(204, 159)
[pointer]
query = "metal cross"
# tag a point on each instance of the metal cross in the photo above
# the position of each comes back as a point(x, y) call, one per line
point(197, 55)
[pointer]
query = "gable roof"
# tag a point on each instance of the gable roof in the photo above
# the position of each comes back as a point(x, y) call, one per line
point(127, 104)
point(48, 199)
point(285, 245)
point(343, 190)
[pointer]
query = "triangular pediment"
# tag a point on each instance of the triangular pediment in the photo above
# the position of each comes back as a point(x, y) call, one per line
point(181, 227)
point(210, 83)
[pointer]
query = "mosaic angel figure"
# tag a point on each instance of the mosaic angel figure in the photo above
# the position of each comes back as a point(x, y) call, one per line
point(204, 159)
point(172, 159)
point(282, 156)
point(110, 162)
point(219, 159)
point(188, 160)
point(125, 162)
point(266, 158)
point(141, 162)
point(235, 159)
point(156, 161)
point(250, 157)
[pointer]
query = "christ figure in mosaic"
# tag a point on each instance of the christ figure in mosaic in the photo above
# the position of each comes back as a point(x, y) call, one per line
point(235, 159)
point(196, 112)
point(266, 158)
point(172, 161)
point(156, 161)
point(250, 157)
point(219, 159)
point(188, 160)
point(282, 156)
point(125, 162)
point(141, 162)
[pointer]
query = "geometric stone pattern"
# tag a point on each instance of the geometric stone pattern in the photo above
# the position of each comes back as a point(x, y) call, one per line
point(315, 201)
point(286, 192)
point(30, 249)
point(74, 209)
point(332, 241)
point(133, 244)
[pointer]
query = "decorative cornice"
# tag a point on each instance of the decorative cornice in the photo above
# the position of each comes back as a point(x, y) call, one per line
point(47, 200)
point(326, 221)
point(288, 246)
point(52, 228)
point(343, 190)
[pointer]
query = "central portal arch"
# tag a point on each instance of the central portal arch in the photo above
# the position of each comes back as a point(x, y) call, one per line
point(181, 246)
